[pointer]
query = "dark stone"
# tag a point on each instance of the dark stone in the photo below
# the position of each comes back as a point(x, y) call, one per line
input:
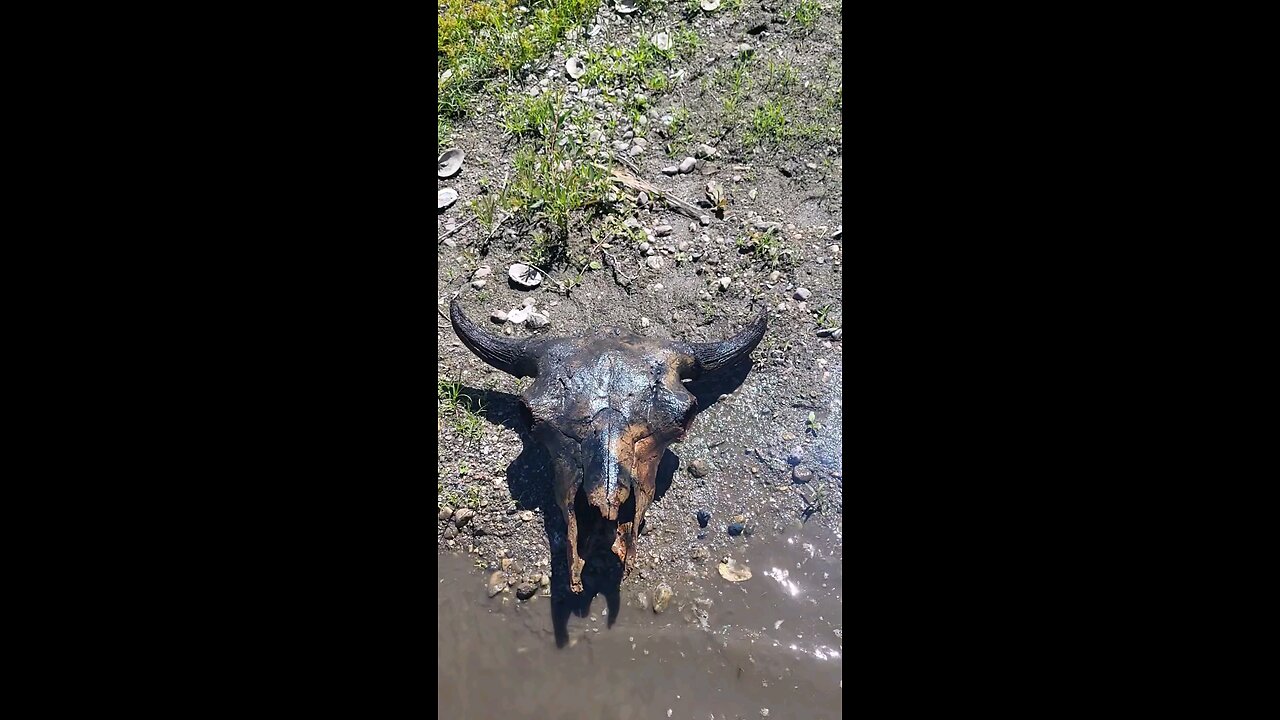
point(698, 468)
point(736, 529)
point(801, 474)
point(704, 517)
point(525, 590)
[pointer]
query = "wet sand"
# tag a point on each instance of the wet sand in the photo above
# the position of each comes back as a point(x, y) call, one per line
point(718, 652)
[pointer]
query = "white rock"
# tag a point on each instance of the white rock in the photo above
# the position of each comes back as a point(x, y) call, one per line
point(518, 315)
point(537, 320)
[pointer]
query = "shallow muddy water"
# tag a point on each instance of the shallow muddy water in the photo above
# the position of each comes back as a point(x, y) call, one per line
point(722, 650)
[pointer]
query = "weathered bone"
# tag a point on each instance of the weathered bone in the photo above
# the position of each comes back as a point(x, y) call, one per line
point(606, 407)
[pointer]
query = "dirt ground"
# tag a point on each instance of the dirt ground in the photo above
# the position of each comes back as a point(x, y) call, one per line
point(767, 444)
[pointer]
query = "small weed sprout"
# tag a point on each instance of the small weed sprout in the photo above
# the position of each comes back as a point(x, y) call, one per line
point(806, 12)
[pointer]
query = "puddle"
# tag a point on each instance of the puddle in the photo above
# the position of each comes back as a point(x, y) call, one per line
point(722, 650)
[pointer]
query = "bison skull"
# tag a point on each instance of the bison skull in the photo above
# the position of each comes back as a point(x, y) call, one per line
point(606, 407)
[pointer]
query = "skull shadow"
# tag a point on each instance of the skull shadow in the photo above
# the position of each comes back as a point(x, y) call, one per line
point(529, 478)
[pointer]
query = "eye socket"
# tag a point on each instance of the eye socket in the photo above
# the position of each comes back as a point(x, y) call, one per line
point(526, 413)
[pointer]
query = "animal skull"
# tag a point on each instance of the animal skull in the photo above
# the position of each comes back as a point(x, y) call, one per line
point(606, 407)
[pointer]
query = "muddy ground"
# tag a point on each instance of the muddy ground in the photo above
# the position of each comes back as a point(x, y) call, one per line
point(767, 440)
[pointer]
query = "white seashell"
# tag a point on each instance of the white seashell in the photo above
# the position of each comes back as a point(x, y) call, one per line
point(450, 162)
point(524, 276)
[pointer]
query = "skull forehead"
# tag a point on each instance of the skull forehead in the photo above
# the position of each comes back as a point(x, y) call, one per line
point(635, 376)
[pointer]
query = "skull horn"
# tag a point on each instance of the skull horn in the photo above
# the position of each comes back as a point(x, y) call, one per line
point(726, 353)
point(514, 357)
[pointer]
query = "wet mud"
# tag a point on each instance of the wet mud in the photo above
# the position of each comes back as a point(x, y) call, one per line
point(720, 650)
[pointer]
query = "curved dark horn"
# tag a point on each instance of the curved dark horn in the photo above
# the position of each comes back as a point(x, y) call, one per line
point(514, 357)
point(726, 353)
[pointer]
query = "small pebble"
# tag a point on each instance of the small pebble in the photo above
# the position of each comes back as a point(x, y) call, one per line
point(654, 263)
point(698, 468)
point(773, 276)
point(801, 294)
point(498, 316)
point(704, 517)
point(497, 583)
point(671, 170)
point(686, 165)
point(450, 243)
point(735, 529)
point(725, 283)
point(662, 230)
point(463, 516)
point(705, 220)
point(525, 590)
point(644, 322)
point(801, 474)
point(538, 320)
point(483, 271)
point(529, 302)
point(661, 598)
